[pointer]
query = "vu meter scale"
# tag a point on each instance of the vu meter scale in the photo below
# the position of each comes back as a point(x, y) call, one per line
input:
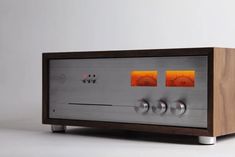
point(174, 91)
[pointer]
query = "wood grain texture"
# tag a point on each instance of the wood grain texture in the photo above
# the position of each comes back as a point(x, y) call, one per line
point(224, 92)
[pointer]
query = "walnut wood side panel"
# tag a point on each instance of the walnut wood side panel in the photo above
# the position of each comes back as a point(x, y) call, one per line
point(224, 92)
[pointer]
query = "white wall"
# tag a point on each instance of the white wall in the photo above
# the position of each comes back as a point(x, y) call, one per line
point(30, 27)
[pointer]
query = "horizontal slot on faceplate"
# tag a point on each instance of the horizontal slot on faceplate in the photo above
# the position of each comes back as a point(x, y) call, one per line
point(87, 104)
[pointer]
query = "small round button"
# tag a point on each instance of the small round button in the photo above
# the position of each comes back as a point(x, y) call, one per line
point(142, 106)
point(160, 107)
point(178, 108)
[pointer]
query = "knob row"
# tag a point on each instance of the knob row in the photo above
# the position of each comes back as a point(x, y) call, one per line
point(177, 108)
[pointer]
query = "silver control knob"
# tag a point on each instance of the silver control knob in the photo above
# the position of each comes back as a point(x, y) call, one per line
point(160, 107)
point(142, 106)
point(178, 108)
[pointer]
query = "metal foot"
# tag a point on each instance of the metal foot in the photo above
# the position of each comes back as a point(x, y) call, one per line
point(58, 128)
point(207, 140)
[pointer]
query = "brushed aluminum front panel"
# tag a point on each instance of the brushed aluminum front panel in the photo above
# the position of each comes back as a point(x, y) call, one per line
point(111, 98)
